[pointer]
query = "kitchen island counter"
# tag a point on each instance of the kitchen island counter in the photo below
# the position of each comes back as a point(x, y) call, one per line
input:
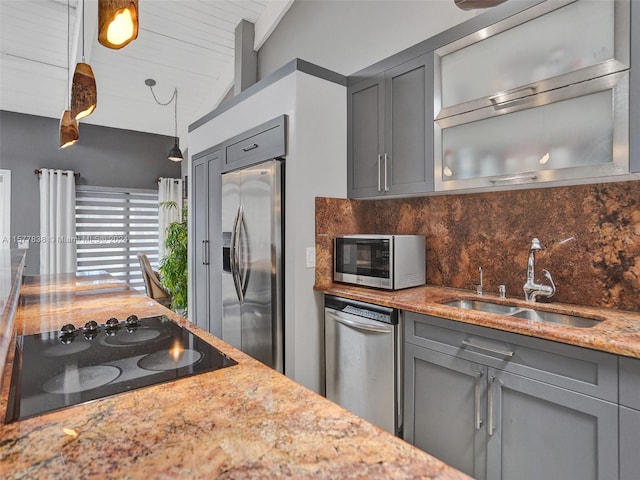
point(243, 421)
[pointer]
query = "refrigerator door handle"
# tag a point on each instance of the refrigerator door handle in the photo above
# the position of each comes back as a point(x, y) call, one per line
point(243, 278)
point(235, 255)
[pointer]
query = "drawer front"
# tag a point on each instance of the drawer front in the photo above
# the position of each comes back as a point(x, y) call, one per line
point(264, 142)
point(578, 369)
point(630, 382)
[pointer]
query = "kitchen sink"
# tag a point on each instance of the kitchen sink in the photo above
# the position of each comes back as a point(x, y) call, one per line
point(542, 316)
point(529, 314)
point(483, 306)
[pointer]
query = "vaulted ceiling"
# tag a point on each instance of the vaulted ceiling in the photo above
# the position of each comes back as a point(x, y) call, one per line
point(183, 44)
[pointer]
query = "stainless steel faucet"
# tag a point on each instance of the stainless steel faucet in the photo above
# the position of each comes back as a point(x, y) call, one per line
point(531, 288)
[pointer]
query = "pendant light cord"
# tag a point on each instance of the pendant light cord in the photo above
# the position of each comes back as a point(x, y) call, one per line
point(68, 60)
point(175, 95)
point(82, 31)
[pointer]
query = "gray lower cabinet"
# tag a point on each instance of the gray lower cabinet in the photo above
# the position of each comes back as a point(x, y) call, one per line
point(444, 399)
point(629, 418)
point(465, 405)
point(629, 444)
point(389, 137)
point(206, 241)
point(538, 431)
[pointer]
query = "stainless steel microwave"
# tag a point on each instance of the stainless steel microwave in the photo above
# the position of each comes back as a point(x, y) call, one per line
point(381, 261)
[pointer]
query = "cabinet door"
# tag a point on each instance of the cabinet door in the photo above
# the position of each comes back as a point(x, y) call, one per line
point(629, 443)
point(214, 243)
point(199, 194)
point(445, 408)
point(365, 137)
point(565, 42)
point(408, 163)
point(206, 249)
point(537, 431)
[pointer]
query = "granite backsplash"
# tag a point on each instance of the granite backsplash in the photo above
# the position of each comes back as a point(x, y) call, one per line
point(590, 235)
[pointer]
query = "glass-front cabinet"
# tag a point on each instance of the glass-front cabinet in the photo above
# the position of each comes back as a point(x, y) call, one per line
point(540, 96)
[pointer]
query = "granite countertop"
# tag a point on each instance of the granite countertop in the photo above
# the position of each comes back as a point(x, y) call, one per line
point(244, 421)
point(618, 331)
point(11, 268)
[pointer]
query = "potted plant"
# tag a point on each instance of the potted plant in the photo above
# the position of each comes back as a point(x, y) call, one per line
point(173, 267)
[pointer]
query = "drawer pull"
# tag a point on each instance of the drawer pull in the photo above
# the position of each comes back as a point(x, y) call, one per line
point(499, 351)
point(248, 148)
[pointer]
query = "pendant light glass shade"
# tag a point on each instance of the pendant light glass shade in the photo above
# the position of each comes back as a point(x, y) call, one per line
point(69, 133)
point(175, 155)
point(117, 22)
point(84, 94)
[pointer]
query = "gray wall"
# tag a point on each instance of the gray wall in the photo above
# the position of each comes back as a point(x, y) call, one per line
point(348, 35)
point(103, 156)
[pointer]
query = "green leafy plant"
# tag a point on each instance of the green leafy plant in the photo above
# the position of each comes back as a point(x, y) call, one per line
point(173, 267)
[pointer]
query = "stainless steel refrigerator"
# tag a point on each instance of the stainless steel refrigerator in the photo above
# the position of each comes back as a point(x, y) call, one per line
point(252, 277)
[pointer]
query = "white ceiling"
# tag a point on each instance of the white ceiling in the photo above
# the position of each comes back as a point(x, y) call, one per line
point(188, 44)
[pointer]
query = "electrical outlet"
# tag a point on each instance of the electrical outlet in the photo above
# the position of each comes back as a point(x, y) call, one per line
point(311, 257)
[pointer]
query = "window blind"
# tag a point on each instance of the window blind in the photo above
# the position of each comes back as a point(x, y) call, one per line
point(112, 226)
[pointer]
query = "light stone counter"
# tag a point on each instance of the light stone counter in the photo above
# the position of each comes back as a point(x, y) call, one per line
point(244, 421)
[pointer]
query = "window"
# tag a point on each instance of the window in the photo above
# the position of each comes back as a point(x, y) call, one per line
point(112, 226)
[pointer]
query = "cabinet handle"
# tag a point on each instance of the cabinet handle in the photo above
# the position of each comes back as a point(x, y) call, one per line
point(492, 381)
point(499, 351)
point(205, 252)
point(513, 178)
point(248, 148)
point(386, 177)
point(379, 162)
point(512, 97)
point(478, 383)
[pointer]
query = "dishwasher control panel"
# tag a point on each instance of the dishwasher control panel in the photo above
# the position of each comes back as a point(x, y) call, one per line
point(371, 311)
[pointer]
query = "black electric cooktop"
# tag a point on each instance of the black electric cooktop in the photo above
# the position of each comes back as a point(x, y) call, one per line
point(54, 370)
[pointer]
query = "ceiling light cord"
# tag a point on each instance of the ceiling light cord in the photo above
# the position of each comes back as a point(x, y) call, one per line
point(174, 96)
point(82, 31)
point(68, 102)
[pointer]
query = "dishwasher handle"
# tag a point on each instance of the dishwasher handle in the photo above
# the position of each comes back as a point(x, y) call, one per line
point(349, 321)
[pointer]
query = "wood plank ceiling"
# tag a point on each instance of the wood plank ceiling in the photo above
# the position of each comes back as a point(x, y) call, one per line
point(188, 44)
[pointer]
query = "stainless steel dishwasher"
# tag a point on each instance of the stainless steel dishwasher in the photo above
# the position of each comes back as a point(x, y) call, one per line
point(363, 359)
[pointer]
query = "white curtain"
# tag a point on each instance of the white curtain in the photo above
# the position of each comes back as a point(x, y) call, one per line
point(169, 190)
point(57, 221)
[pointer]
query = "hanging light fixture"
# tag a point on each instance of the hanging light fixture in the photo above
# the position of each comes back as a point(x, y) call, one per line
point(175, 155)
point(117, 22)
point(84, 94)
point(68, 126)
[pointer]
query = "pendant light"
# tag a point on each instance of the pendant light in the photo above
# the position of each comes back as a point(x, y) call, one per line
point(175, 155)
point(117, 22)
point(68, 126)
point(84, 94)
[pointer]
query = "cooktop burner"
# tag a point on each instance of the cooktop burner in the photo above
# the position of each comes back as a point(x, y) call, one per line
point(54, 370)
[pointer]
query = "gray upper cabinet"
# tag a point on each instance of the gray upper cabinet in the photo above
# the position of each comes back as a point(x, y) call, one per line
point(498, 405)
point(390, 145)
point(566, 42)
point(634, 93)
point(560, 112)
point(264, 142)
